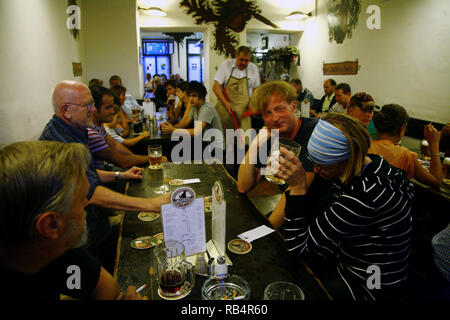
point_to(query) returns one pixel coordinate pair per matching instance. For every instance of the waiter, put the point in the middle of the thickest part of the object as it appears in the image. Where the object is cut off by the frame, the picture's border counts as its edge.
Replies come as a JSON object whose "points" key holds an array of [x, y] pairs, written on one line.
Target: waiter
{"points": [[234, 83]]}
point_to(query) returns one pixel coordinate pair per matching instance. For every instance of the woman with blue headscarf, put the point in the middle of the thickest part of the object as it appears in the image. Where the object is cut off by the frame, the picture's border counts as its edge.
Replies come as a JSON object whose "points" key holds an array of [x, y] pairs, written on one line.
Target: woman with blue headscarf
{"points": [[364, 235]]}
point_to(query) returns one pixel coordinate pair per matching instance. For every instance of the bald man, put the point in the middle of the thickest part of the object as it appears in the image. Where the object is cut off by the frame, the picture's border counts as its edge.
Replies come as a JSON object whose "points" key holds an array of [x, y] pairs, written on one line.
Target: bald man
{"points": [[73, 109]]}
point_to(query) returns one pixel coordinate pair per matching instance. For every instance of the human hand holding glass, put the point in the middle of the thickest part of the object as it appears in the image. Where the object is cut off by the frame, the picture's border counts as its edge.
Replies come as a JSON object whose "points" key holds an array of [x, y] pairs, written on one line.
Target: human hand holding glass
{"points": [[274, 158]]}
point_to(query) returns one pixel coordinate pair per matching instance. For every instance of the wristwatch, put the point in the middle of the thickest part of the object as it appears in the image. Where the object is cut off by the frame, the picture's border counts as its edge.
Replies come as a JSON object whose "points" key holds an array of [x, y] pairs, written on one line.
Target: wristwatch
{"points": [[116, 175]]}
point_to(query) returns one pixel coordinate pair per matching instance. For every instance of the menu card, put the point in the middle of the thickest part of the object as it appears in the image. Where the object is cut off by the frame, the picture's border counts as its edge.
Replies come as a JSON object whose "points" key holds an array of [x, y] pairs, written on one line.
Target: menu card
{"points": [[186, 225]]}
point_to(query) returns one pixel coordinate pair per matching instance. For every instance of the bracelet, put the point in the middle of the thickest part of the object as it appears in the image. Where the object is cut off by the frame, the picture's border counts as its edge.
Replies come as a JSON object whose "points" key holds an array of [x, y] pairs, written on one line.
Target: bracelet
{"points": [[116, 176]]}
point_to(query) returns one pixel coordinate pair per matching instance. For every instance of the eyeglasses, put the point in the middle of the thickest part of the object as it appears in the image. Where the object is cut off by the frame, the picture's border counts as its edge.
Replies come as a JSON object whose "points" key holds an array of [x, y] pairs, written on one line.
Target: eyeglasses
{"points": [[319, 168], [88, 105]]}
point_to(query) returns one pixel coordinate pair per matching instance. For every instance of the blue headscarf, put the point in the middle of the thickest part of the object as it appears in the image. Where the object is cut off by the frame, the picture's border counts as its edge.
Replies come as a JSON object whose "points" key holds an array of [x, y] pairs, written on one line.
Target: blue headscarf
{"points": [[328, 145]]}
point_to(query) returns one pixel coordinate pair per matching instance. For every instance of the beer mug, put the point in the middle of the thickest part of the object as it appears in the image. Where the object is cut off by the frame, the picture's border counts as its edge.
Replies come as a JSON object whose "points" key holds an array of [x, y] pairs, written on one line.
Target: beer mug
{"points": [[425, 150], [175, 276], [273, 163], [446, 179]]}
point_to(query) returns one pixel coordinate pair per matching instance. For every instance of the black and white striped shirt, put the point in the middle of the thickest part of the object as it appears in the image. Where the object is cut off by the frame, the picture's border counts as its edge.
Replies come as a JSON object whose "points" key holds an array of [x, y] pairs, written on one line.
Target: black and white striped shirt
{"points": [[368, 223]]}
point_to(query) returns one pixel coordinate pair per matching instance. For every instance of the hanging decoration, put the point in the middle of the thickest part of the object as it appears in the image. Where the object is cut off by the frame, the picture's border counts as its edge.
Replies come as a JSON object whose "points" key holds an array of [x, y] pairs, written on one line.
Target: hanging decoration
{"points": [[74, 31], [178, 37], [342, 18], [229, 17]]}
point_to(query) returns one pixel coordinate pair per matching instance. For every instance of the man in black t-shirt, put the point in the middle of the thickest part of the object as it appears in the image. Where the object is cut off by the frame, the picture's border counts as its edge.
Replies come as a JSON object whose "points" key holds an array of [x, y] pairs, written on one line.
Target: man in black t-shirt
{"points": [[277, 102], [43, 194]]}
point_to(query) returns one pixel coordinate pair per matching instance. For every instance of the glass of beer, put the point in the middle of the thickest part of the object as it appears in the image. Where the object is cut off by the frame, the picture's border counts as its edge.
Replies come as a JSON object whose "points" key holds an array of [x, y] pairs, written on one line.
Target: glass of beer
{"points": [[274, 163], [446, 179], [424, 150], [155, 155]]}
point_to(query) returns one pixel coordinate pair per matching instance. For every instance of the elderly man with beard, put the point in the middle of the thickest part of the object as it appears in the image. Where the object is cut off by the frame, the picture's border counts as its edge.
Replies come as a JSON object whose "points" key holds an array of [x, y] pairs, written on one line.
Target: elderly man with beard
{"points": [[43, 193]]}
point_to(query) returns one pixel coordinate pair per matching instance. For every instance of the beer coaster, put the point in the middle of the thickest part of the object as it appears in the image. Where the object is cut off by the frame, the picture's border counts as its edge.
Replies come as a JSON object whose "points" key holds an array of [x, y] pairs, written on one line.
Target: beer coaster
{"points": [[157, 239], [176, 182], [239, 246], [142, 242], [208, 204], [148, 216], [181, 296]]}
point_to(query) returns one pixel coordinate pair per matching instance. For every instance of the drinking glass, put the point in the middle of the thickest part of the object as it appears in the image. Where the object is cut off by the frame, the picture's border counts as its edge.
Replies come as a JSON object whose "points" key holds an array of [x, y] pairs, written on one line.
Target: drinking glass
{"points": [[281, 290], [164, 188], [155, 155], [273, 163], [175, 276], [425, 150]]}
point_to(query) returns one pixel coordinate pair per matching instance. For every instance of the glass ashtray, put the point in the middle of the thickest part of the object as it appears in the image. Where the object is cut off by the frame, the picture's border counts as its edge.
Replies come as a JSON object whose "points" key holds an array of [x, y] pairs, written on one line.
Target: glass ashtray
{"points": [[228, 288]]}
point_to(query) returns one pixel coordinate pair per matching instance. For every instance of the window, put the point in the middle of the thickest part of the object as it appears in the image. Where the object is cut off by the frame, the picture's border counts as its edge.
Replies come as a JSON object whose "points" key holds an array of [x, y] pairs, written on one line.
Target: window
{"points": [[156, 55], [194, 60]]}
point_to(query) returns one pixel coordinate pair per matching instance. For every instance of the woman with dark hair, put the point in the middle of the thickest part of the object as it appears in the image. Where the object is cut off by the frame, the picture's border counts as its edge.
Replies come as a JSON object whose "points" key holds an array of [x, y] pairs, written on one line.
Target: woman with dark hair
{"points": [[391, 124], [367, 224], [122, 127]]}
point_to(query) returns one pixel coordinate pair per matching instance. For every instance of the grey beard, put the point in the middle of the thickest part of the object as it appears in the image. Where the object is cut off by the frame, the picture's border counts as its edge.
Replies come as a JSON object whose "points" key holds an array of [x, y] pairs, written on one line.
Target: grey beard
{"points": [[83, 237]]}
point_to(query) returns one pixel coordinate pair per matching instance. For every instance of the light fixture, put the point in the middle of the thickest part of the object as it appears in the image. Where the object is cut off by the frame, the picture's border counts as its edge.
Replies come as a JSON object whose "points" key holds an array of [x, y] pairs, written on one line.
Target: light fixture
{"points": [[298, 15], [154, 11]]}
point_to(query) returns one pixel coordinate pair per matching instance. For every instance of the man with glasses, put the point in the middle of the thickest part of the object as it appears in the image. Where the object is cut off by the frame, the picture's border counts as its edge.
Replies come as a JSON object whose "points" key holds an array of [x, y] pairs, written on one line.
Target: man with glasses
{"points": [[73, 110]]}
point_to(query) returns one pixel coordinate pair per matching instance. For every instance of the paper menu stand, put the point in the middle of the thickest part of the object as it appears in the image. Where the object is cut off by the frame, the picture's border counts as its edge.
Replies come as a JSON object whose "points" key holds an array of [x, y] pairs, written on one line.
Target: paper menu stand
{"points": [[149, 108], [184, 220], [216, 246]]}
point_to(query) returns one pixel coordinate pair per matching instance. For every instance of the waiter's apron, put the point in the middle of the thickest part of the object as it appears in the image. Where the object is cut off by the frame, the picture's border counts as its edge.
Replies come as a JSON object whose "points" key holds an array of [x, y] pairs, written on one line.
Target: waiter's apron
{"points": [[237, 91]]}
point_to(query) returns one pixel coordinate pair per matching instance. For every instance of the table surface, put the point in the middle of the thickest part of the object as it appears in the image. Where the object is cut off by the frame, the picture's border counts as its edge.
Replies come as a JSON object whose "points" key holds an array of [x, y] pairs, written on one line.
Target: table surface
{"points": [[268, 261]]}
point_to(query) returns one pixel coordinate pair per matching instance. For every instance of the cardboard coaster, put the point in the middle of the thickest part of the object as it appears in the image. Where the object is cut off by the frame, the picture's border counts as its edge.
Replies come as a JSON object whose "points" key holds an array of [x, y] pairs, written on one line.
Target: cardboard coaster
{"points": [[157, 239], [148, 216], [181, 296], [239, 246], [142, 242], [208, 204], [176, 182]]}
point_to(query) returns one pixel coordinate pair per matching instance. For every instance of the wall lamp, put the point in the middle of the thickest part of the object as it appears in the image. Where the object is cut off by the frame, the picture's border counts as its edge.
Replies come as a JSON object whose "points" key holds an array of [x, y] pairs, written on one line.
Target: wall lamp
{"points": [[298, 15], [153, 11]]}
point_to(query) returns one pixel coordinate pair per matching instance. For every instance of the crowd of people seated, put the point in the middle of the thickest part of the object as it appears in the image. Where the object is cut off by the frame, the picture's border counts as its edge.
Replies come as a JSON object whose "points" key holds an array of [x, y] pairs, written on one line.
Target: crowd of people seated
{"points": [[346, 203]]}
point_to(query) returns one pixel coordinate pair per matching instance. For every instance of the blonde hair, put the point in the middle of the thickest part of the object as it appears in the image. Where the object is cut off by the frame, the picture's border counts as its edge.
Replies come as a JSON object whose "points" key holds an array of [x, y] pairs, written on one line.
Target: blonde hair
{"points": [[261, 95], [358, 139]]}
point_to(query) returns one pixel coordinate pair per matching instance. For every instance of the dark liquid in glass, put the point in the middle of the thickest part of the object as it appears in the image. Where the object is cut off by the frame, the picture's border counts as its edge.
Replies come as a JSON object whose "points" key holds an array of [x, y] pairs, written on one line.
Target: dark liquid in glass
{"points": [[171, 282]]}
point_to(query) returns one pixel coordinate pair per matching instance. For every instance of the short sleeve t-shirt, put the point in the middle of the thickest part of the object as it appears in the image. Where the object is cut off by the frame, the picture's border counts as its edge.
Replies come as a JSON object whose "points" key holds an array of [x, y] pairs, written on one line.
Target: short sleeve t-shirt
{"points": [[224, 72], [54, 279], [208, 114], [97, 142]]}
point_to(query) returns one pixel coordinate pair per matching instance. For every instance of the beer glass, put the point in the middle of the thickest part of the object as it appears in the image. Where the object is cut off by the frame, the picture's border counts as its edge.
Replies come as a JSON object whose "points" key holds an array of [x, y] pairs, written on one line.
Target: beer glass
{"points": [[424, 150], [164, 188], [283, 291], [175, 276], [273, 163], [446, 179], [155, 155]]}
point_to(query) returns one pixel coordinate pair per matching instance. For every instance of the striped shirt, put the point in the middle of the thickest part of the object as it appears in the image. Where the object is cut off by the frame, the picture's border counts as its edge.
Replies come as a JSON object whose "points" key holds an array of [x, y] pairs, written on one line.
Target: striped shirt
{"points": [[96, 142], [368, 223]]}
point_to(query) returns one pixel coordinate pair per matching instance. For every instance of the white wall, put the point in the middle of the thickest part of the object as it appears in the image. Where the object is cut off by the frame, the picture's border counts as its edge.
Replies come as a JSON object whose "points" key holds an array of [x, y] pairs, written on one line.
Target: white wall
{"points": [[37, 51], [406, 62], [112, 39]]}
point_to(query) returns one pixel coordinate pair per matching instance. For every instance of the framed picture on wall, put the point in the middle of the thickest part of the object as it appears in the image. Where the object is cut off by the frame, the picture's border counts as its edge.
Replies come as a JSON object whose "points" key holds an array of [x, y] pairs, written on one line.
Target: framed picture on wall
{"points": [[264, 43]]}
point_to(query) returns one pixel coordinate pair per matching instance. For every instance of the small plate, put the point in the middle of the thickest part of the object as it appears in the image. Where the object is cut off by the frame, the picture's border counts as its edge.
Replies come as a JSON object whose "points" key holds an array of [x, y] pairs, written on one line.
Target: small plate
{"points": [[239, 246]]}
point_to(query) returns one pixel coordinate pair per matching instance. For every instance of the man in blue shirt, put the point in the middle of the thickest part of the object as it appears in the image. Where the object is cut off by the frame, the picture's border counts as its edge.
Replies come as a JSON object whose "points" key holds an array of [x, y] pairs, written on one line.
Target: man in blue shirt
{"points": [[73, 106]]}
